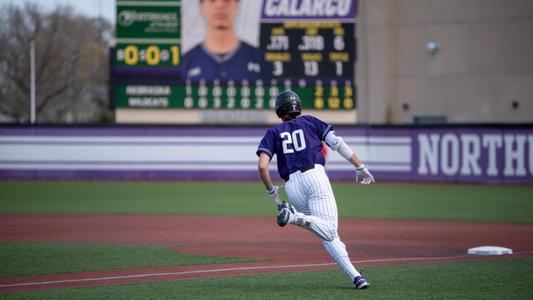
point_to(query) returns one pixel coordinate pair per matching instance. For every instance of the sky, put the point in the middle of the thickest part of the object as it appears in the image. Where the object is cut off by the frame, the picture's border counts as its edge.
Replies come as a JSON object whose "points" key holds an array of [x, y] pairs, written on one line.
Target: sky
{"points": [[104, 8]]}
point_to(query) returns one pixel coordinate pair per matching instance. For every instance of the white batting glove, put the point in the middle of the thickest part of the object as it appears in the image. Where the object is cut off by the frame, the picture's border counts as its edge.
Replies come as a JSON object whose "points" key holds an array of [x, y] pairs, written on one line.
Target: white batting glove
{"points": [[274, 195], [363, 176]]}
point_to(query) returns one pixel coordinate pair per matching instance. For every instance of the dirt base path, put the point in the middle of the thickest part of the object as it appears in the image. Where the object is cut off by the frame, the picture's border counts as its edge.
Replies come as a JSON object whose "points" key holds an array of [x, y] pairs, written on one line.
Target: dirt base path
{"points": [[369, 242]]}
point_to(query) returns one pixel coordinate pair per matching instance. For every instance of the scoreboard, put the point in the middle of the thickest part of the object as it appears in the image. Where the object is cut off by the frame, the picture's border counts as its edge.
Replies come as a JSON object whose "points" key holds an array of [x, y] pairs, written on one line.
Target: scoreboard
{"points": [[310, 46]]}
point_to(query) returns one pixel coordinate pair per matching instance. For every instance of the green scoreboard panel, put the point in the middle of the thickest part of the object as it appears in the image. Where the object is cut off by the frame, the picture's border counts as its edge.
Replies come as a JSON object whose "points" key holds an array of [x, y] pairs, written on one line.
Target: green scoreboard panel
{"points": [[148, 19], [232, 96], [309, 44]]}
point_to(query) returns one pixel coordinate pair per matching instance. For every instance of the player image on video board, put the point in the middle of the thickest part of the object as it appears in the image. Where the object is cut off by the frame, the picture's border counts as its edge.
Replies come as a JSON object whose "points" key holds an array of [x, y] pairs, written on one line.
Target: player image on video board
{"points": [[222, 54]]}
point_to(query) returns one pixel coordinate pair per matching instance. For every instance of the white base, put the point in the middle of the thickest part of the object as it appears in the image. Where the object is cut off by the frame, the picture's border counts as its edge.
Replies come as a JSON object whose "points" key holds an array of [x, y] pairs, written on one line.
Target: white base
{"points": [[489, 250]]}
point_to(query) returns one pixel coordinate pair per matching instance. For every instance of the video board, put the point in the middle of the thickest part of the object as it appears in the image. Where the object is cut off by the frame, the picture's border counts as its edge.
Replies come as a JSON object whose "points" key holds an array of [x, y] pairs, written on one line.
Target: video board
{"points": [[307, 46]]}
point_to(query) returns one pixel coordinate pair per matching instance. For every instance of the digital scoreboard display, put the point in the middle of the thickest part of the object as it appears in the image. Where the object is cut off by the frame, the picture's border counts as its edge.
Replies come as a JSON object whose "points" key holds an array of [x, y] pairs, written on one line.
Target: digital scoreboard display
{"points": [[309, 46]]}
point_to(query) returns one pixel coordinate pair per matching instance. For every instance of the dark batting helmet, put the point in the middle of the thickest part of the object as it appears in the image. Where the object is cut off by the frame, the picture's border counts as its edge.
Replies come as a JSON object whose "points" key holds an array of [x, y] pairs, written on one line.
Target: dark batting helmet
{"points": [[288, 102]]}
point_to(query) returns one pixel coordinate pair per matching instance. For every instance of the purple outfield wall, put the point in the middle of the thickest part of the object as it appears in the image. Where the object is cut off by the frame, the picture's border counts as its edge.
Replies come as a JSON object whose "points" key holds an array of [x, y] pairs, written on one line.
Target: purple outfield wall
{"points": [[495, 154]]}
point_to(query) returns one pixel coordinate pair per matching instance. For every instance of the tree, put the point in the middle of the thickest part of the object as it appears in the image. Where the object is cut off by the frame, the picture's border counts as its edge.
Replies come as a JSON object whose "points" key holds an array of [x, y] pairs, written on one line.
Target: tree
{"points": [[71, 63]]}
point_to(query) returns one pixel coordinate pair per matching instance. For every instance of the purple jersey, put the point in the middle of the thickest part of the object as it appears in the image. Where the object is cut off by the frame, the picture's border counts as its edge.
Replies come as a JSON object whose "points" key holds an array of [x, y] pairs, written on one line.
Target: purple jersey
{"points": [[297, 144], [245, 62]]}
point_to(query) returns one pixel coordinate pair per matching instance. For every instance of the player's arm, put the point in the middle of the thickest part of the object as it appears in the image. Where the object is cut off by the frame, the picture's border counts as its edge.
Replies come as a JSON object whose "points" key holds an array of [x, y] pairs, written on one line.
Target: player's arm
{"points": [[272, 190], [336, 143], [262, 167]]}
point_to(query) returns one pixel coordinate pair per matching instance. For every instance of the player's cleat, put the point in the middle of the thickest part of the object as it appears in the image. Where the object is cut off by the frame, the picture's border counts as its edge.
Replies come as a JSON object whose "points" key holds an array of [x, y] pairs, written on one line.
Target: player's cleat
{"points": [[288, 214], [360, 282], [284, 216]]}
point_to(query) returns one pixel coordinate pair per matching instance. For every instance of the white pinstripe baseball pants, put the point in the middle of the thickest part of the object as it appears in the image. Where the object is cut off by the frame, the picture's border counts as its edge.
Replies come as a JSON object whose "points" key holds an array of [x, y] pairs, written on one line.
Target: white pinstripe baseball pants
{"points": [[312, 196]]}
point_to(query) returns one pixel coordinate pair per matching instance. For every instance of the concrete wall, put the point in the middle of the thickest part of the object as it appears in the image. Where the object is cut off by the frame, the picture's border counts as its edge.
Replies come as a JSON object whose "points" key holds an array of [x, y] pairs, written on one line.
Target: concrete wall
{"points": [[482, 73]]}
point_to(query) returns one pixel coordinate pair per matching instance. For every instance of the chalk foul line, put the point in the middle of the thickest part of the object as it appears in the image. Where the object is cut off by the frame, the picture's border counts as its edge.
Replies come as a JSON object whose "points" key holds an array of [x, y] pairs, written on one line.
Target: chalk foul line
{"points": [[163, 274]]}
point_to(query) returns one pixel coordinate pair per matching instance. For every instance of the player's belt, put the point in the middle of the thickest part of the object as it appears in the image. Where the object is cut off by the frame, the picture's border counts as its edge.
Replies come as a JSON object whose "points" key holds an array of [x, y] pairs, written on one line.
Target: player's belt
{"points": [[304, 169], [307, 168]]}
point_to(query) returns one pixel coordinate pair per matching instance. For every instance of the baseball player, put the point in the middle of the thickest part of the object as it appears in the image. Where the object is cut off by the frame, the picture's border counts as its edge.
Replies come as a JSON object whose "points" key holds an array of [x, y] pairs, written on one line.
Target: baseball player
{"points": [[297, 144], [222, 55]]}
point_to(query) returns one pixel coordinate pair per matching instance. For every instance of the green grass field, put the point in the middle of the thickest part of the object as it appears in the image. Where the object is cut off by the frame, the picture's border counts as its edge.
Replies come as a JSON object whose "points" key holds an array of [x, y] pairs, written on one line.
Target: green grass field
{"points": [[18, 259], [415, 202], [505, 279]]}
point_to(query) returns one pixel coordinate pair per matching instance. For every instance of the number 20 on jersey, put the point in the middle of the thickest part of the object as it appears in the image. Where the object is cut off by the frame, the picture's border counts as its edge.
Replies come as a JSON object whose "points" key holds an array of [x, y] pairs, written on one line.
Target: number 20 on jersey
{"points": [[294, 141]]}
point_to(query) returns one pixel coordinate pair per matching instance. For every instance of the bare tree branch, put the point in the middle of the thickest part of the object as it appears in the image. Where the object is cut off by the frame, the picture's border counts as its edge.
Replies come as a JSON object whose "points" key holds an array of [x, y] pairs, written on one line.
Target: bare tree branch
{"points": [[50, 96], [61, 38]]}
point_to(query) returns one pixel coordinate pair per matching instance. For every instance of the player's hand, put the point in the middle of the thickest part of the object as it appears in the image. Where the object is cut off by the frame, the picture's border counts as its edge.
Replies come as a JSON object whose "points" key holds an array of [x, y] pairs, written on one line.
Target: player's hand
{"points": [[285, 204], [363, 176], [274, 194]]}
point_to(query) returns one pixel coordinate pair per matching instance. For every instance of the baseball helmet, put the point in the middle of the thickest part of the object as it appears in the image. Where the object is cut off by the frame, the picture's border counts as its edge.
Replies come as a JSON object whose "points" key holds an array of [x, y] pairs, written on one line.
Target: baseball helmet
{"points": [[288, 102]]}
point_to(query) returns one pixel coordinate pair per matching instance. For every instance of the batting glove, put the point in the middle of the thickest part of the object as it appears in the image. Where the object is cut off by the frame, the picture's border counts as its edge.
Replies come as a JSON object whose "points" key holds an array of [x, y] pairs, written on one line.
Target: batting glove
{"points": [[363, 176], [274, 194], [285, 204]]}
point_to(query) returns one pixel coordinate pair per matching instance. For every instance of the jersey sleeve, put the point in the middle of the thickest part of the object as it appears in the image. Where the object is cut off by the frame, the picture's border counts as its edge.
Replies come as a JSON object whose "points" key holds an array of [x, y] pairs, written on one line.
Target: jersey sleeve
{"points": [[321, 128], [267, 144]]}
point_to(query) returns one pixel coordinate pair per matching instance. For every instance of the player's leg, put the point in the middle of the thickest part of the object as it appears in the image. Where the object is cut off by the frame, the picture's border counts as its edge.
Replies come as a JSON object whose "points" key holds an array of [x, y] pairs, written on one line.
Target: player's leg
{"points": [[311, 193], [337, 250], [299, 197], [322, 204]]}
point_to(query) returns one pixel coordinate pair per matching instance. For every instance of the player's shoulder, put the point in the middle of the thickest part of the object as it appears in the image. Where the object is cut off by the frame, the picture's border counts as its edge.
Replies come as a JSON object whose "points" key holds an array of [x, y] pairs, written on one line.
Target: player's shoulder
{"points": [[275, 129], [271, 134], [310, 119], [193, 52], [247, 49], [195, 62], [316, 125]]}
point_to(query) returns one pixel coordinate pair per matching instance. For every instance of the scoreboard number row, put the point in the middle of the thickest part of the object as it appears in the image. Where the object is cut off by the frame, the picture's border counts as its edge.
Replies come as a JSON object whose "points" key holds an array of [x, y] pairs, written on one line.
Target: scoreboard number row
{"points": [[151, 55]]}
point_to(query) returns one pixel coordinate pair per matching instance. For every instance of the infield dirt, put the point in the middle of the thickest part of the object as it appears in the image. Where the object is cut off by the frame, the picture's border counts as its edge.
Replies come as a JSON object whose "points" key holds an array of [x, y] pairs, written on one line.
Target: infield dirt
{"points": [[369, 242]]}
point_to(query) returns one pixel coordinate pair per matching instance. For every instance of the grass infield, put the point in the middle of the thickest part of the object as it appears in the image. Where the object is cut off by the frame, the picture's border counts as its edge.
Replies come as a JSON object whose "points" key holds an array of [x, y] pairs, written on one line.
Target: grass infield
{"points": [[510, 204], [18, 259], [492, 279]]}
